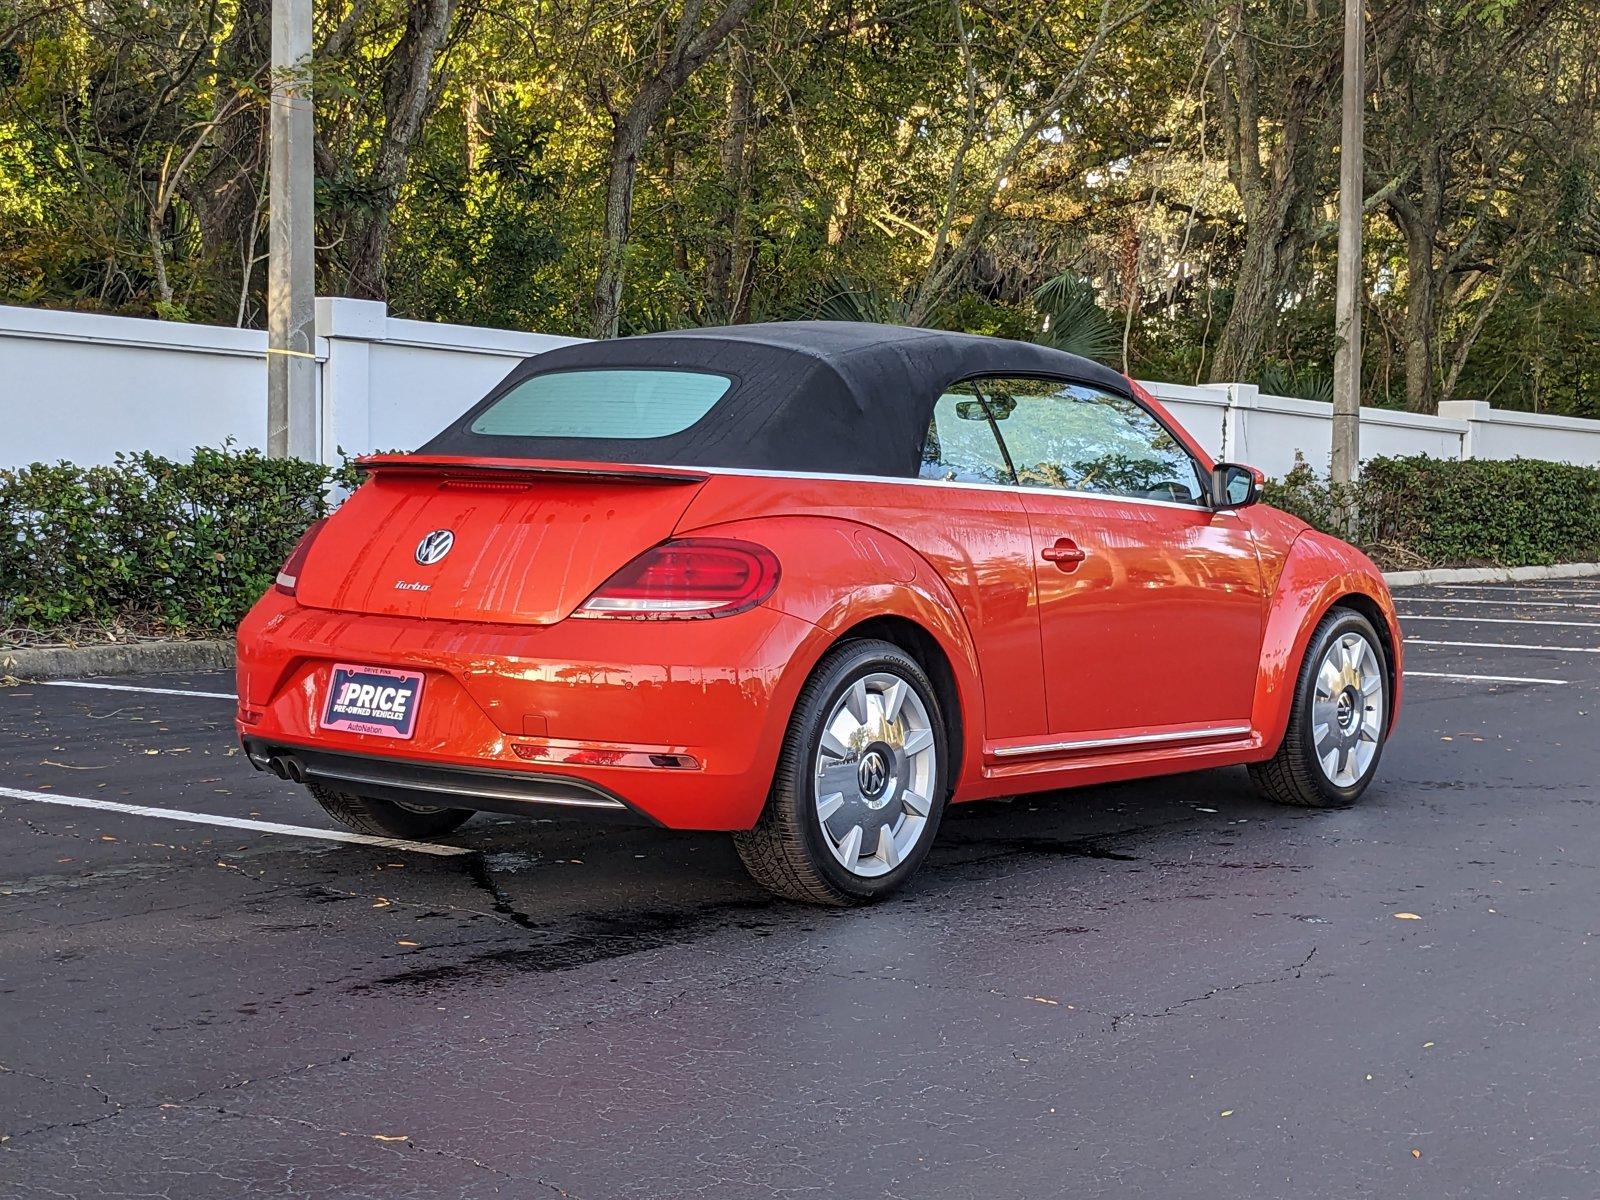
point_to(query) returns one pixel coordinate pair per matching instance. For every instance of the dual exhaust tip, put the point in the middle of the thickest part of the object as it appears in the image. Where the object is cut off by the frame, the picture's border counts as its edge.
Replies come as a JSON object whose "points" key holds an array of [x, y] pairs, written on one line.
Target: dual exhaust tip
{"points": [[287, 766]]}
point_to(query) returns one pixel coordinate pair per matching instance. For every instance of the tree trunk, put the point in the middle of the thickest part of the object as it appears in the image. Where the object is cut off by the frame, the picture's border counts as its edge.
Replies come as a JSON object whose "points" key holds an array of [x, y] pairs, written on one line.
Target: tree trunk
{"points": [[630, 130], [407, 95], [728, 220], [228, 197], [627, 141], [1418, 211], [1255, 288], [1276, 186], [1274, 239], [1419, 323], [1272, 193]]}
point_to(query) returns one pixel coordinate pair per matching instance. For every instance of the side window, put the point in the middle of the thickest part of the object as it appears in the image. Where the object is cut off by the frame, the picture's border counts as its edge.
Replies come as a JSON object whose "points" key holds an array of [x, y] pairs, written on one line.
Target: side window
{"points": [[1080, 439], [962, 445]]}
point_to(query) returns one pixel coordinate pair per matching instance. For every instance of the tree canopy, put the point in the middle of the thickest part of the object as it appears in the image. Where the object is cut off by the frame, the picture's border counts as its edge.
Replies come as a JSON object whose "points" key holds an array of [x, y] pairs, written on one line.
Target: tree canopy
{"points": [[1152, 182]]}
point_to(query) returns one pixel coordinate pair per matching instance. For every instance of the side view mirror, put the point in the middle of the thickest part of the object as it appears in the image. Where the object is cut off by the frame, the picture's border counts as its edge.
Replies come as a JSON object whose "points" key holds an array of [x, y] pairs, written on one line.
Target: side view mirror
{"points": [[1234, 485]]}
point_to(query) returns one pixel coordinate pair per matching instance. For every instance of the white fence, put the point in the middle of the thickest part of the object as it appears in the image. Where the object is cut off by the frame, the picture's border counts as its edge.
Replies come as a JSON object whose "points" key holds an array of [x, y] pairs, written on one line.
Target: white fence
{"points": [[81, 387], [1235, 421]]}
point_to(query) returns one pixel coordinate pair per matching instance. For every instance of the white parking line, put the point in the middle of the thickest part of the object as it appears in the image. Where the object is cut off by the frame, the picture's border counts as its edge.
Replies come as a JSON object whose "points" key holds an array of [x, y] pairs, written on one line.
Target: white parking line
{"points": [[1513, 588], [127, 687], [1408, 616], [1478, 678], [192, 818], [1504, 646], [1497, 603]]}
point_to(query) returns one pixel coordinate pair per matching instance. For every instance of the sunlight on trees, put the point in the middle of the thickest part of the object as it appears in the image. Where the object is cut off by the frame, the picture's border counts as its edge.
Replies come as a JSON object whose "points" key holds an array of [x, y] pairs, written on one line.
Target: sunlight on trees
{"points": [[1146, 181]]}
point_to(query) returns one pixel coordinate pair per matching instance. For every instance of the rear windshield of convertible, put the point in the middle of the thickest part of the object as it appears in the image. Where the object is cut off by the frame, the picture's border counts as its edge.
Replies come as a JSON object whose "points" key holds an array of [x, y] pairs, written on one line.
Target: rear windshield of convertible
{"points": [[603, 403]]}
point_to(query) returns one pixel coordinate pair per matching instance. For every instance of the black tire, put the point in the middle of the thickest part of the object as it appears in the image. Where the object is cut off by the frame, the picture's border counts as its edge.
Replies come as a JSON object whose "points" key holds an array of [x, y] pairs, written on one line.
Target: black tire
{"points": [[1293, 775], [786, 852], [385, 818]]}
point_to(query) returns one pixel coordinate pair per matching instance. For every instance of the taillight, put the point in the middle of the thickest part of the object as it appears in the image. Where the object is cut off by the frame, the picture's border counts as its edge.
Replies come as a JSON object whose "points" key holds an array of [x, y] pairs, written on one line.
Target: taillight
{"points": [[289, 573], [691, 577]]}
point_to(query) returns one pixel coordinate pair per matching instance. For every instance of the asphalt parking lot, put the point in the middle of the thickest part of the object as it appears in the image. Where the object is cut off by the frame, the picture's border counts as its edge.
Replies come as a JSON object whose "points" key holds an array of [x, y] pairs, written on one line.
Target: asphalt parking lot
{"points": [[1159, 989]]}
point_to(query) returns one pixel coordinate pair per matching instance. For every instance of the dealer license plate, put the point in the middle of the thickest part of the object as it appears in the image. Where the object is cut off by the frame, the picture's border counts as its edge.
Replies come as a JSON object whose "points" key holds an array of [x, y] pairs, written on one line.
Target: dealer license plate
{"points": [[376, 700]]}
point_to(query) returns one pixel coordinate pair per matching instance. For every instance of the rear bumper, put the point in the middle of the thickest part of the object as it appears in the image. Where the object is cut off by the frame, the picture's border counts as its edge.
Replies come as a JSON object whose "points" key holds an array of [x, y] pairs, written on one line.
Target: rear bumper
{"points": [[415, 782], [677, 722]]}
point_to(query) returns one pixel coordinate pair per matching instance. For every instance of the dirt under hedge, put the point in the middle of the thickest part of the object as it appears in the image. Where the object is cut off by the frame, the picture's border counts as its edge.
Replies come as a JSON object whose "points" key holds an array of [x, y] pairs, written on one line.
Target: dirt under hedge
{"points": [[150, 547]]}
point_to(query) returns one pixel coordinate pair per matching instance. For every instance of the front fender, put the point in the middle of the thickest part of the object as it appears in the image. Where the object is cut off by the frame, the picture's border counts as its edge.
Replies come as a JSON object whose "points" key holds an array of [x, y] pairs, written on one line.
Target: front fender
{"points": [[1319, 572]]}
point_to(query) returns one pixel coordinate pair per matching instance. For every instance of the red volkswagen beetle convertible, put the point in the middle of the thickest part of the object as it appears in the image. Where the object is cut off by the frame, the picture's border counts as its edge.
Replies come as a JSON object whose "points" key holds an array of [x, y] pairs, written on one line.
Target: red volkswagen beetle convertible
{"points": [[809, 583]]}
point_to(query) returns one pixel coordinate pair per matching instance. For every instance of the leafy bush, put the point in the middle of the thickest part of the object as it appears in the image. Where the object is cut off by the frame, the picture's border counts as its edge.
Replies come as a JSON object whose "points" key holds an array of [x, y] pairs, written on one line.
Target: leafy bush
{"points": [[157, 544], [1517, 512], [186, 547], [1315, 499], [1421, 511]]}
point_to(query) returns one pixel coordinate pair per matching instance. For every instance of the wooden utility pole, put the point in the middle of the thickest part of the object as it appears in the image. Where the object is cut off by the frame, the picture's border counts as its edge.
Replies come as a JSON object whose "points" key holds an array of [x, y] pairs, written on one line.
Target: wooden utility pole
{"points": [[291, 284], [1346, 461]]}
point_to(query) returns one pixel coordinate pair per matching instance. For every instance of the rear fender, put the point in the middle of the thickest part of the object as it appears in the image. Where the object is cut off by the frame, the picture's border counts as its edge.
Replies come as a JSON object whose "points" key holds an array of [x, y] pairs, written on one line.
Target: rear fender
{"points": [[838, 574], [1319, 572]]}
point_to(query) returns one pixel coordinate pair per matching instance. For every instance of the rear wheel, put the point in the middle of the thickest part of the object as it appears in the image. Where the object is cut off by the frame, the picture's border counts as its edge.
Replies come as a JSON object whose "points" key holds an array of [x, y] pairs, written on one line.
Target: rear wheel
{"points": [[388, 818], [1339, 722], [860, 784]]}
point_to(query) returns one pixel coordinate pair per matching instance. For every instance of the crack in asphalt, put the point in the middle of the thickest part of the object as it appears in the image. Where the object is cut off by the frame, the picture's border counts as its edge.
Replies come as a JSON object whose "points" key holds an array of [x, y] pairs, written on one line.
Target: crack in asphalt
{"points": [[277, 1119], [124, 1110], [105, 1096], [1291, 971]]}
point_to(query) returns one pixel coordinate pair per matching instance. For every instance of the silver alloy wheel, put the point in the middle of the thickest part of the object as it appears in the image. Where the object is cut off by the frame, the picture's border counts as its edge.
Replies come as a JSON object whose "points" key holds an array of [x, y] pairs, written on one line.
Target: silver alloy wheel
{"points": [[875, 771], [1347, 710]]}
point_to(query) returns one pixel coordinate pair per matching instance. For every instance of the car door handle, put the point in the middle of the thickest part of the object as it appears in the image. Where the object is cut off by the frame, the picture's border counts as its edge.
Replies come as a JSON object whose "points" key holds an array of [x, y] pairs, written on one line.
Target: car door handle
{"points": [[1066, 554]]}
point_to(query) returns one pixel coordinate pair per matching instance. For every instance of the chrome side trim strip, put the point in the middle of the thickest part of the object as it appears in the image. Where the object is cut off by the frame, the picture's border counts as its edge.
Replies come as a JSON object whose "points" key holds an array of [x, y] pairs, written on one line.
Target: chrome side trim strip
{"points": [[1145, 739]]}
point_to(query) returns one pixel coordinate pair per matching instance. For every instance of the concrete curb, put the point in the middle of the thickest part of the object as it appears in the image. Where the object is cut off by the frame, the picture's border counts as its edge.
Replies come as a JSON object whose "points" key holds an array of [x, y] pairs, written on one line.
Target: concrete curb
{"points": [[1491, 574], [132, 658]]}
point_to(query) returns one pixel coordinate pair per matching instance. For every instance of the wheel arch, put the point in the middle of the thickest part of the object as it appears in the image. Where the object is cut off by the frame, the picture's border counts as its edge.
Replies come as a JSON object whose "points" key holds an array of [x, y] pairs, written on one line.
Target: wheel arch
{"points": [[1321, 573], [1369, 608]]}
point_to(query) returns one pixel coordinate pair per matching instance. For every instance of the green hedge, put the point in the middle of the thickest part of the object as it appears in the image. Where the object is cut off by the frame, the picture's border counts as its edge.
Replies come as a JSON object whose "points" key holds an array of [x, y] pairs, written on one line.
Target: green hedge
{"points": [[154, 545], [149, 543], [1430, 512]]}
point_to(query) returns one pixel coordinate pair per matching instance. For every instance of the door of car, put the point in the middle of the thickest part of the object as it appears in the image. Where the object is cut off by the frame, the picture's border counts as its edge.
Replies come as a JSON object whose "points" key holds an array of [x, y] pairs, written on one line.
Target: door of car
{"points": [[972, 529], [1150, 603]]}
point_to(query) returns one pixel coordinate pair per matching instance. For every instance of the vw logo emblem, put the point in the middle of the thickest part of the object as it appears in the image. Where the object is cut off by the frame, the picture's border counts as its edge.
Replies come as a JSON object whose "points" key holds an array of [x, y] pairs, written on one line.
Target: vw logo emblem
{"points": [[435, 546], [873, 773]]}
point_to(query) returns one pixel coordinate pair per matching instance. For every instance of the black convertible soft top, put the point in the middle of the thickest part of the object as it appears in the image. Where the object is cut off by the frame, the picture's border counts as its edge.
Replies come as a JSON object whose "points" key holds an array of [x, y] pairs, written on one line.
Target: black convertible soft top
{"points": [[835, 397]]}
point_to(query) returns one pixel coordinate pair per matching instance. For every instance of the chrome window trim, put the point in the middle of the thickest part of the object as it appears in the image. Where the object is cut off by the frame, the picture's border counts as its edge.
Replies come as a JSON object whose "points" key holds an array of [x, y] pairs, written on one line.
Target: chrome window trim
{"points": [[1014, 488], [1143, 739]]}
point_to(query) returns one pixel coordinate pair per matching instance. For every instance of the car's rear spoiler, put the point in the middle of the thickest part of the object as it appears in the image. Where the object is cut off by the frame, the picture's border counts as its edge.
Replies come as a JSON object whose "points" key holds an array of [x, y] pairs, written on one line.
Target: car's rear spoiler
{"points": [[578, 472]]}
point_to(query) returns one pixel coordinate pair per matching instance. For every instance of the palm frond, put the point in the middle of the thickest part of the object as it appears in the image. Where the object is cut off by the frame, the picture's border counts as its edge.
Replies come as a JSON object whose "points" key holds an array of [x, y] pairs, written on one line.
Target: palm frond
{"points": [[1071, 319], [1307, 383], [845, 300]]}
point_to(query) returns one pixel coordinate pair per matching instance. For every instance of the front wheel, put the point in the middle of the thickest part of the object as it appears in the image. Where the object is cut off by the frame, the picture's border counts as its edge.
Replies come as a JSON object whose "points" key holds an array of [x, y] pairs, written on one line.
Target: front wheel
{"points": [[860, 784], [1339, 722]]}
